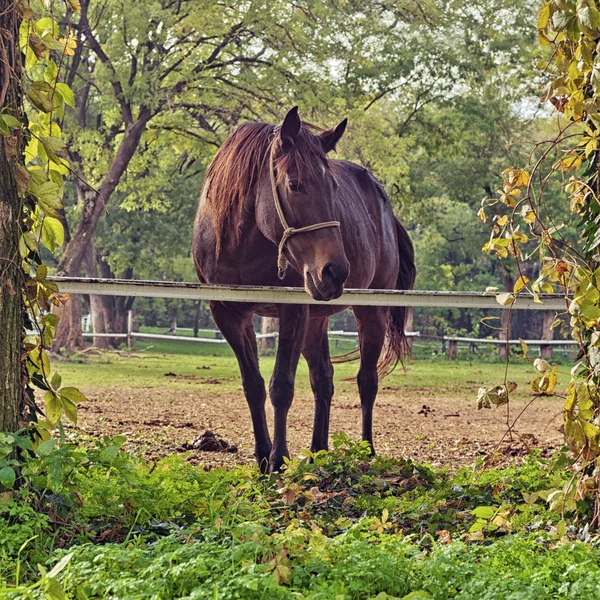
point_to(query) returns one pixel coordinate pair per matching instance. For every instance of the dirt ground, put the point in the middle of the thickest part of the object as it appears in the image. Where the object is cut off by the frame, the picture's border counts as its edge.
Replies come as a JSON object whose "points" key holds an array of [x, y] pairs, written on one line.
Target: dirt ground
{"points": [[428, 425]]}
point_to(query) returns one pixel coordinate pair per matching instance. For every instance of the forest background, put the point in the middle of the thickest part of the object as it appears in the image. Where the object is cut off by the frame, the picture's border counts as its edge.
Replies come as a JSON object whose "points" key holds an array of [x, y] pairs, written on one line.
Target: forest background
{"points": [[441, 97]]}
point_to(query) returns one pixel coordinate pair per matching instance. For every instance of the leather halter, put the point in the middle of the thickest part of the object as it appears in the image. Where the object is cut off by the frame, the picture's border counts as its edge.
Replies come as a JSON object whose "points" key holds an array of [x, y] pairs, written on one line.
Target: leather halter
{"points": [[288, 232]]}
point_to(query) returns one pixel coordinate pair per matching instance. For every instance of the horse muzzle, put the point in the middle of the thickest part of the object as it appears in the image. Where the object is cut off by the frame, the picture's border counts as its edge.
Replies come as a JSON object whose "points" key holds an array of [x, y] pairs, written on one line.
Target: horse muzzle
{"points": [[328, 283]]}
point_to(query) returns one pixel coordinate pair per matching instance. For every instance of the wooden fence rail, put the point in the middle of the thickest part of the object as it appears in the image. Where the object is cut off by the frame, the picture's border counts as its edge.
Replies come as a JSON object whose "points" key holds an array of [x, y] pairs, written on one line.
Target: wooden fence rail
{"points": [[287, 295]]}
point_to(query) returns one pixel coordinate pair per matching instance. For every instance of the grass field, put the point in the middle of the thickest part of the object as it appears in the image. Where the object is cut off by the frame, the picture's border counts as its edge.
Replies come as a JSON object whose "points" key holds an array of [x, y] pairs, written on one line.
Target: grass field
{"points": [[473, 524], [426, 412]]}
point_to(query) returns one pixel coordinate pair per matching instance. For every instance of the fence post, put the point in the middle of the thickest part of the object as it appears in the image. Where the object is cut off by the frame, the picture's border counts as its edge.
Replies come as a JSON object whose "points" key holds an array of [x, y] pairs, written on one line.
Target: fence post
{"points": [[129, 328], [452, 350]]}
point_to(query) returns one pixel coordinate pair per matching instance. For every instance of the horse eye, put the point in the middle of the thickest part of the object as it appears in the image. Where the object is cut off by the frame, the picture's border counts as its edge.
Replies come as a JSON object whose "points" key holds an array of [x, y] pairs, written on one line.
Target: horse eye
{"points": [[295, 186]]}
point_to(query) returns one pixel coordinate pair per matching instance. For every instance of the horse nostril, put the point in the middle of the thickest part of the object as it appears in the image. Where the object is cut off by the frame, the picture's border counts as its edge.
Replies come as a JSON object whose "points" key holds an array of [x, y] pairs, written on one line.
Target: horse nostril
{"points": [[335, 272]]}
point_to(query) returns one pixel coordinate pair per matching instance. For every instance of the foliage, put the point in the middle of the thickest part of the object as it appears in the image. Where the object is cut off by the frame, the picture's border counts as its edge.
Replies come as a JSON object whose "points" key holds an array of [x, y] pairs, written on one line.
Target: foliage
{"points": [[33, 139], [342, 524], [570, 31]]}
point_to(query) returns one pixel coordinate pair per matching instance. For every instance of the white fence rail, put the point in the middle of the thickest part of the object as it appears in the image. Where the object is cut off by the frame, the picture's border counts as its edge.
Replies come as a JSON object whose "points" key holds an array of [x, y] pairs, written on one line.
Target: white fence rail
{"points": [[287, 295]]}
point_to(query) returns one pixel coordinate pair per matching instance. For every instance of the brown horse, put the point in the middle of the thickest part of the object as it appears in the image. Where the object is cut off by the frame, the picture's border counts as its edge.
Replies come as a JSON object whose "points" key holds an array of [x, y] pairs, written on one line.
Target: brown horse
{"points": [[272, 199]]}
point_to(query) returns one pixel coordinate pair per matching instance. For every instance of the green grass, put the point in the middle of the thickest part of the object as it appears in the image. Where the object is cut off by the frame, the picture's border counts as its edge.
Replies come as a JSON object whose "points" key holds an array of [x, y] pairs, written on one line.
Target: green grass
{"points": [[346, 526], [147, 368]]}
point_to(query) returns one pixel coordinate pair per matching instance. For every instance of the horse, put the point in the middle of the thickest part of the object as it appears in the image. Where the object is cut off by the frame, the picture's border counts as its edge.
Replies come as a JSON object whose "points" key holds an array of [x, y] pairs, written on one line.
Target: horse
{"points": [[274, 210]]}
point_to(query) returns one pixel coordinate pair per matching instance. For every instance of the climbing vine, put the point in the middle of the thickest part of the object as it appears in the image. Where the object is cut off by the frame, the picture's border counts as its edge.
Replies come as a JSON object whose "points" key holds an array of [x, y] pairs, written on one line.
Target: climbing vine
{"points": [[524, 227], [35, 147]]}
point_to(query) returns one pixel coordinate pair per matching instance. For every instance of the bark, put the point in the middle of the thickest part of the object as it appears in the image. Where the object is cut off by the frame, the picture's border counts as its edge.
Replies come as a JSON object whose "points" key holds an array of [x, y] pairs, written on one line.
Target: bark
{"points": [[268, 325], [115, 308], [173, 328], [94, 201], [505, 317], [11, 274], [96, 306], [196, 318], [409, 328], [547, 334]]}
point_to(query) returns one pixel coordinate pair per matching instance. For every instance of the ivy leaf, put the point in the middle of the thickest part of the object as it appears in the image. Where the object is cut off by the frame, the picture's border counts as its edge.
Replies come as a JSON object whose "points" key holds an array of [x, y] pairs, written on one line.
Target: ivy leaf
{"points": [[484, 512], [520, 284], [69, 408], [53, 233], [53, 406], [67, 94], [11, 121], [524, 347], [561, 19], [544, 16], [497, 396], [73, 394], [41, 272], [40, 100], [7, 477], [505, 299], [56, 379]]}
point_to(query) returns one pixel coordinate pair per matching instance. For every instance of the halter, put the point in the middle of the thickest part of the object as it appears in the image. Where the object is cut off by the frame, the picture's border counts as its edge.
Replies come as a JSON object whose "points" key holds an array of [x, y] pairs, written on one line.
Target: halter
{"points": [[288, 231]]}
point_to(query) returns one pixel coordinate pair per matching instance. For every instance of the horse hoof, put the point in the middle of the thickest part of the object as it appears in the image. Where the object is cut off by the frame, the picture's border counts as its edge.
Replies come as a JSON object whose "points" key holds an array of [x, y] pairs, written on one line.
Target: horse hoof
{"points": [[276, 462]]}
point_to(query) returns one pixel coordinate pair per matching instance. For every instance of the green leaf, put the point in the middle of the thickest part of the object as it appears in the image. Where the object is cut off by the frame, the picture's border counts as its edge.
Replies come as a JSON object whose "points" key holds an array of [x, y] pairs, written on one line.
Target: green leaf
{"points": [[46, 448], [41, 272], [73, 394], [11, 121], [60, 565], [51, 72], [40, 100], [561, 19], [53, 406], [53, 233], [484, 512], [7, 477], [67, 93], [56, 381], [69, 408]]}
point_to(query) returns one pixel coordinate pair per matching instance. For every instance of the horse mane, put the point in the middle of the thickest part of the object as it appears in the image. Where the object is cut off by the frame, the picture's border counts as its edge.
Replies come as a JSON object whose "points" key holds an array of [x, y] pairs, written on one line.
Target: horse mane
{"points": [[238, 164]]}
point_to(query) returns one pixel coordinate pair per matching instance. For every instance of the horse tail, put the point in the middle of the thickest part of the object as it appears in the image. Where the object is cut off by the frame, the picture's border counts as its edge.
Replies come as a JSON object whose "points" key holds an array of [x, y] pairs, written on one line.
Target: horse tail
{"points": [[397, 347]]}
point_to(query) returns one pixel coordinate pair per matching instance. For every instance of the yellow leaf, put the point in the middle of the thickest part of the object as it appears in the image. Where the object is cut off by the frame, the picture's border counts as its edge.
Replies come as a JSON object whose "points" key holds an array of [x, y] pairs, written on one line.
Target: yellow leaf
{"points": [[520, 283], [544, 16], [505, 299], [524, 347], [502, 221]]}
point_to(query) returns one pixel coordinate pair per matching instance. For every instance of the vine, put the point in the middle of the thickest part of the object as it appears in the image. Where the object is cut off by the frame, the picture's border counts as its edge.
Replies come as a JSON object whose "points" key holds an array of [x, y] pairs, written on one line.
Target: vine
{"points": [[569, 33], [35, 147]]}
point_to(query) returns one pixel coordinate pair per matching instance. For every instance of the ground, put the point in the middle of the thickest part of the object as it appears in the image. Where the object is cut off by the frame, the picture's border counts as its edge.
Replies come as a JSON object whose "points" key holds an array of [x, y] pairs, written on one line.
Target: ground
{"points": [[428, 412]]}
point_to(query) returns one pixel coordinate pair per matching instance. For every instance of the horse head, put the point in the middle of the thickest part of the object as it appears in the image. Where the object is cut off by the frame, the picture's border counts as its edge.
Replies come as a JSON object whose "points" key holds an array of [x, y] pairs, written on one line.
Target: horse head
{"points": [[297, 208]]}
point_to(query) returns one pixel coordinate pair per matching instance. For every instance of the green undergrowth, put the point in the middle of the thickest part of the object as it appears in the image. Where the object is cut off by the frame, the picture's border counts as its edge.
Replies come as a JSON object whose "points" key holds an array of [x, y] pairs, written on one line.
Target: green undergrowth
{"points": [[96, 522]]}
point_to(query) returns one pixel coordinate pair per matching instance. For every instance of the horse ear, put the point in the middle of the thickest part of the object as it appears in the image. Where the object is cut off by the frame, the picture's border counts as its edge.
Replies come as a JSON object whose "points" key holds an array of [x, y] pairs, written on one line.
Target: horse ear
{"points": [[290, 128], [331, 137]]}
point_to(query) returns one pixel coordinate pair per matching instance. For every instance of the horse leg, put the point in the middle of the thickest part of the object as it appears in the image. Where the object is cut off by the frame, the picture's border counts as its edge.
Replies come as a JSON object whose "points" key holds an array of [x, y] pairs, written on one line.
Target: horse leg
{"points": [[293, 320], [372, 327], [237, 329], [316, 353]]}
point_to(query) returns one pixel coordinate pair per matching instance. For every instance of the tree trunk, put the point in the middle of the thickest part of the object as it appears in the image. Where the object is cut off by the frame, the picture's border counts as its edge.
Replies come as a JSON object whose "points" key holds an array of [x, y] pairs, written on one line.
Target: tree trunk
{"points": [[505, 317], [11, 274], [94, 201], [96, 306], [196, 318], [409, 328], [173, 329], [268, 325], [547, 334]]}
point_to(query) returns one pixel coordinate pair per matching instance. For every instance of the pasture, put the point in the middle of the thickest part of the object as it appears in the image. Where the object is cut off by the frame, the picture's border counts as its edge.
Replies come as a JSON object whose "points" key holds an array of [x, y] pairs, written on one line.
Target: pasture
{"points": [[375, 169], [161, 400]]}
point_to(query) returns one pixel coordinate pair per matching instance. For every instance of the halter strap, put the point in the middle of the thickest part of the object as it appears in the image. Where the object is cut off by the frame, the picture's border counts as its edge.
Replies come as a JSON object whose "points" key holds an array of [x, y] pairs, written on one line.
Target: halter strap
{"points": [[288, 231]]}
